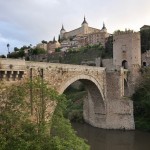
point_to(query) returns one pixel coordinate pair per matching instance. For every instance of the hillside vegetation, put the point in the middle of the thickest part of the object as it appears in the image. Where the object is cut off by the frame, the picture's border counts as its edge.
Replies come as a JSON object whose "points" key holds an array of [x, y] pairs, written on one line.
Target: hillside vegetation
{"points": [[145, 40], [75, 97], [87, 53], [141, 100]]}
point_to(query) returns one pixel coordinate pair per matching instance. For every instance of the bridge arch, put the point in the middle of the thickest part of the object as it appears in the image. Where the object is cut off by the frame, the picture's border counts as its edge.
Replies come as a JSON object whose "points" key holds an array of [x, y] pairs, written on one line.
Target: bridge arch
{"points": [[94, 107], [81, 77]]}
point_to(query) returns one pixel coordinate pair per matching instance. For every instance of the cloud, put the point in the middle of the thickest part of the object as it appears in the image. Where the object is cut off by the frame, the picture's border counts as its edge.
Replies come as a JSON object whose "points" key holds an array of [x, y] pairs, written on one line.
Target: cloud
{"points": [[30, 21]]}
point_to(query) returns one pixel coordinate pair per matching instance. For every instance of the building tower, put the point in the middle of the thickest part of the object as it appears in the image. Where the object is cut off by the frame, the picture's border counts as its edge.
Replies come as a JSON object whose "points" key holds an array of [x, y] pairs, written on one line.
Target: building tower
{"points": [[84, 26], [127, 54], [127, 50], [104, 28], [62, 31]]}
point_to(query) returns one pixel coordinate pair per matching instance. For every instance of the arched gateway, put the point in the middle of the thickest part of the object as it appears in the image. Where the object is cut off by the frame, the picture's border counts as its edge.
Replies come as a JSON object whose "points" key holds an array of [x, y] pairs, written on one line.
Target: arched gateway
{"points": [[94, 106], [104, 106]]}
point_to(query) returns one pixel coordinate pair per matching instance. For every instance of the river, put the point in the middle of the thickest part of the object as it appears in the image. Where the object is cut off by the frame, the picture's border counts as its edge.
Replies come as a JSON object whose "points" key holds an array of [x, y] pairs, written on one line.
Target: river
{"points": [[100, 139]]}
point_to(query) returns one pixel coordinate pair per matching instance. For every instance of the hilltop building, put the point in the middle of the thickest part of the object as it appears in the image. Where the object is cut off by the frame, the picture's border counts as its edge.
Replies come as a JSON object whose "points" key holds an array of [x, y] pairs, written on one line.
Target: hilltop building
{"points": [[145, 27], [52, 45], [42, 46], [83, 36]]}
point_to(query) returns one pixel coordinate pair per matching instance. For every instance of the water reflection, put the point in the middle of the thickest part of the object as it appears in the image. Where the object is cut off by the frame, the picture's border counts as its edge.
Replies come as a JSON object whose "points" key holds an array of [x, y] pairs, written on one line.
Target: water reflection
{"points": [[100, 139]]}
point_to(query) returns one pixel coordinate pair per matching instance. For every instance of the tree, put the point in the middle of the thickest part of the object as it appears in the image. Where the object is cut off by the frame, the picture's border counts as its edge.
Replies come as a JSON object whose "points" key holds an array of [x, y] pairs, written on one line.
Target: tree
{"points": [[8, 45], [16, 49], [38, 51], [145, 40], [2, 56], [141, 100], [58, 49], [44, 42], [20, 130], [19, 54], [108, 52], [59, 40]]}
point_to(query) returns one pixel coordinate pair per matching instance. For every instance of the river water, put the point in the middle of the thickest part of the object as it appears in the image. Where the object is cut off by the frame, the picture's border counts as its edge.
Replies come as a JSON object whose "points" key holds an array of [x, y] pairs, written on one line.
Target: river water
{"points": [[100, 139]]}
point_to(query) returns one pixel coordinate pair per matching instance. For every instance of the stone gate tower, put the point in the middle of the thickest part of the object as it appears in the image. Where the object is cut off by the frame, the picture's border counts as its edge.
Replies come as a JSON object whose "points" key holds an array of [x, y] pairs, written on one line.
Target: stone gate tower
{"points": [[127, 50], [127, 54]]}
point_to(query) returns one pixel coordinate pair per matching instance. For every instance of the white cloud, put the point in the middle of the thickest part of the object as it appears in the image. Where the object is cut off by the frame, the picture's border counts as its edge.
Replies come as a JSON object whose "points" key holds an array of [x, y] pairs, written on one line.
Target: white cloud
{"points": [[30, 21], [2, 39]]}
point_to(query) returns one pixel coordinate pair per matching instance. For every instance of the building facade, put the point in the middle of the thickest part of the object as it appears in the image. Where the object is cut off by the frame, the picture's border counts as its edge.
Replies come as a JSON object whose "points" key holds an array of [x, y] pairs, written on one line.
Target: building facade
{"points": [[145, 27], [52, 45], [84, 35], [126, 50], [42, 46]]}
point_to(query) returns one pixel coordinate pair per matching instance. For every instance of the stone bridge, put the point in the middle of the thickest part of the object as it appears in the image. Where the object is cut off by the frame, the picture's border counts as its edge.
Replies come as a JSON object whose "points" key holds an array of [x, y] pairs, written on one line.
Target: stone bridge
{"points": [[104, 106]]}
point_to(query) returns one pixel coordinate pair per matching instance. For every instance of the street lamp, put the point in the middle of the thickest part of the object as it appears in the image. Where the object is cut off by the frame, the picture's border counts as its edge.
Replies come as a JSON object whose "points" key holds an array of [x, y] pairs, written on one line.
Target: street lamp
{"points": [[8, 45]]}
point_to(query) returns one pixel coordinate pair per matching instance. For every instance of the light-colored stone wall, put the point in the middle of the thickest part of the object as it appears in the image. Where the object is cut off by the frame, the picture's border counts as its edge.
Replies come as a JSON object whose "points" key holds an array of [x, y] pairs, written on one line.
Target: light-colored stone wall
{"points": [[51, 46], [126, 46], [91, 35], [64, 74], [81, 30], [120, 108], [104, 106], [108, 63], [127, 54], [12, 69], [8, 64], [73, 32], [42, 45], [97, 38], [93, 30]]}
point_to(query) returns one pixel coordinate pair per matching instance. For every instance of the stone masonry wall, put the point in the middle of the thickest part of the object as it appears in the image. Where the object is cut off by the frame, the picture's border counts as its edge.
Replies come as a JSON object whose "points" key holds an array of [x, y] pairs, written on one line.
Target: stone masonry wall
{"points": [[105, 102], [119, 108]]}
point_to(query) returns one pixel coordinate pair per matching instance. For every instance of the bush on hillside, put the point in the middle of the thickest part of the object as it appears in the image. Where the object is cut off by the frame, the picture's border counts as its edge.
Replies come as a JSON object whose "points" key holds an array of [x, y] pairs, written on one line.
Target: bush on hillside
{"points": [[141, 100]]}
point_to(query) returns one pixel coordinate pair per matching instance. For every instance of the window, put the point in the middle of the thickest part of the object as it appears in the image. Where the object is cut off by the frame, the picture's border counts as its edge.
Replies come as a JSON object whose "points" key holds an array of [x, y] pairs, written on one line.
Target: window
{"points": [[144, 63], [125, 64]]}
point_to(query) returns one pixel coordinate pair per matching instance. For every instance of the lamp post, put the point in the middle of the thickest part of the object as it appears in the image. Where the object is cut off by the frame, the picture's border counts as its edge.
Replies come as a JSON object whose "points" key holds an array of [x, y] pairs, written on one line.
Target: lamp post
{"points": [[8, 45]]}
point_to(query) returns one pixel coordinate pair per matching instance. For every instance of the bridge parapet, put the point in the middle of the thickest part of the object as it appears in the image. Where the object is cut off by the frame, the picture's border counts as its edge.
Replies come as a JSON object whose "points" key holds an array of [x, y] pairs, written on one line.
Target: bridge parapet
{"points": [[12, 64], [58, 75], [12, 69]]}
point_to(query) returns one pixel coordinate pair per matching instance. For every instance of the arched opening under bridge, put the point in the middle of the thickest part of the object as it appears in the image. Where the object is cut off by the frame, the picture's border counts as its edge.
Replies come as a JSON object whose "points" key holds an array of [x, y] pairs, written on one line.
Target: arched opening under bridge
{"points": [[94, 105]]}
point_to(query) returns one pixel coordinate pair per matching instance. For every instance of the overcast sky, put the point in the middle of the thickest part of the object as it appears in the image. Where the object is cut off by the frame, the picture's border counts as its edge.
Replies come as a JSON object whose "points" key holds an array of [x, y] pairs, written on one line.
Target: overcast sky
{"points": [[25, 22]]}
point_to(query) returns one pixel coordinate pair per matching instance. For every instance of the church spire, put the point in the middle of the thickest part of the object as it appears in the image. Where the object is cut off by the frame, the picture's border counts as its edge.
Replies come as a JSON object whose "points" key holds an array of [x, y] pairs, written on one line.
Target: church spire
{"points": [[104, 27], [54, 40], [62, 29], [84, 21]]}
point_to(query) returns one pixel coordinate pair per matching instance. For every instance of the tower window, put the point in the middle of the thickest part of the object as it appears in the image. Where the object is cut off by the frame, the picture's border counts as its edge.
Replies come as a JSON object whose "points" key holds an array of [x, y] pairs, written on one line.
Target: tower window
{"points": [[125, 64], [144, 63]]}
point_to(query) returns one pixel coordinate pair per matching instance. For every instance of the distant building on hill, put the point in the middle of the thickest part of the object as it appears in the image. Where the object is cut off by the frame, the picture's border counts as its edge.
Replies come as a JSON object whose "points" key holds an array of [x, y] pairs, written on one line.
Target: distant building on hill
{"points": [[52, 45], [83, 36], [42, 46], [145, 27]]}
